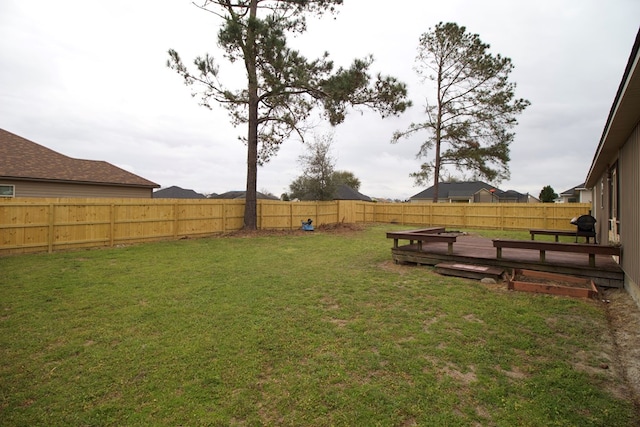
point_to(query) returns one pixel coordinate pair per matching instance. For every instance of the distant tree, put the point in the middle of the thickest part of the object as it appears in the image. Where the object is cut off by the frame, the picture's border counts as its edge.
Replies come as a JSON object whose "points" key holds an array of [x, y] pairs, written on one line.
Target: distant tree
{"points": [[319, 179], [347, 178], [547, 195], [316, 181], [469, 120], [282, 86], [298, 189]]}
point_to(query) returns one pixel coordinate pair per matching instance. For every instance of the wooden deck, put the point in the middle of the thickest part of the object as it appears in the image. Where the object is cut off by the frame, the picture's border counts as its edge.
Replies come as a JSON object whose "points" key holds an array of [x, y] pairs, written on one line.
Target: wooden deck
{"points": [[480, 251]]}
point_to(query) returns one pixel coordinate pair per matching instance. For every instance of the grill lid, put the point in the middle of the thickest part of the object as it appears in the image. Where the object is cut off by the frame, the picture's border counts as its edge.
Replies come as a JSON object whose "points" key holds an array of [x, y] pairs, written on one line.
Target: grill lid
{"points": [[584, 223]]}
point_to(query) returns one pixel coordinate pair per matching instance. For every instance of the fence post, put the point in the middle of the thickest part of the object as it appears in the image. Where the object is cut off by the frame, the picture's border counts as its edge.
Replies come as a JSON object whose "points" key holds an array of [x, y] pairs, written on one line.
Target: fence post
{"points": [[545, 216], [50, 236], [112, 224], [290, 215], [175, 220], [224, 216], [465, 214]]}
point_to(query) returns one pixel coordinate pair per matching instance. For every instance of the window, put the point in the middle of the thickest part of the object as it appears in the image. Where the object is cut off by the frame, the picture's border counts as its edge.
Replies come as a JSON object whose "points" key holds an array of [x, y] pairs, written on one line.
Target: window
{"points": [[7, 190]]}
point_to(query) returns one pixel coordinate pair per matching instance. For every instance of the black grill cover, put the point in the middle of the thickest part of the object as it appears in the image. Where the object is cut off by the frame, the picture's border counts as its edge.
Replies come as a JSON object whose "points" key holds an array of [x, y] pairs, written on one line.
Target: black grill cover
{"points": [[585, 223]]}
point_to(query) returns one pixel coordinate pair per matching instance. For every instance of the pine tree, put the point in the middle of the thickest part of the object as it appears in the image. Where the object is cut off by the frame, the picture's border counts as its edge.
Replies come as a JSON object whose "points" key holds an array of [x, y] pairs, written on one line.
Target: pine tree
{"points": [[474, 109], [283, 87]]}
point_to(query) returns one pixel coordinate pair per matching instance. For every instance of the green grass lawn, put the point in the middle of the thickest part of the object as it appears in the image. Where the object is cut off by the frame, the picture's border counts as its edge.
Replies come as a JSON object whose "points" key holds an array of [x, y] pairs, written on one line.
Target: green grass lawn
{"points": [[291, 330]]}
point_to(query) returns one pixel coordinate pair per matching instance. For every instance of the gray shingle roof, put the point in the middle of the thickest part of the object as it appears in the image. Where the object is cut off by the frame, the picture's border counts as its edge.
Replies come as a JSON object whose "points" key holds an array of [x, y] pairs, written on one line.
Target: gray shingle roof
{"points": [[241, 195], [344, 192], [454, 190], [175, 192], [571, 191]]}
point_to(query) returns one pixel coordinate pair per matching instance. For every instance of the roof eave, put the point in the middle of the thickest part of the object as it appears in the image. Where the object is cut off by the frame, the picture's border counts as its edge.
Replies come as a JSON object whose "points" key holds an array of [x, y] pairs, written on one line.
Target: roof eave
{"points": [[623, 118], [66, 181]]}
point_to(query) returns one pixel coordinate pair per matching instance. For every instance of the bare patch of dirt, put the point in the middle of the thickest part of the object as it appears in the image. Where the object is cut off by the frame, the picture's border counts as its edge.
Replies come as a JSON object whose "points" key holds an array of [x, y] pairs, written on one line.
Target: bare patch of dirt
{"points": [[514, 374], [340, 228], [393, 267], [623, 316], [262, 233], [452, 371], [337, 228]]}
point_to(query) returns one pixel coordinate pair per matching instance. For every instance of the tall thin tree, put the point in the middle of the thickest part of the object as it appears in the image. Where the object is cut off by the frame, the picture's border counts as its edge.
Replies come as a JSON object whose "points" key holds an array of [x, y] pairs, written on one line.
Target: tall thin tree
{"points": [[283, 87], [470, 120]]}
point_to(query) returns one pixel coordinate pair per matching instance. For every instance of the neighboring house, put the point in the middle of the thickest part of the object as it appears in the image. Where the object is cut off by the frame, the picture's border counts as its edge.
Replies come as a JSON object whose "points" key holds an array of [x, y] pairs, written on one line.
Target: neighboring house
{"points": [[614, 175], [241, 195], [470, 192], [511, 196], [344, 192], [577, 194], [175, 192], [28, 169]]}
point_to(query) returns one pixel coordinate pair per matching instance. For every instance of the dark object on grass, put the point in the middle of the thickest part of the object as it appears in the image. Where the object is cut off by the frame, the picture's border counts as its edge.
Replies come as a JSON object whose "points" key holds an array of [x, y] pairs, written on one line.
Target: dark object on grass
{"points": [[306, 225]]}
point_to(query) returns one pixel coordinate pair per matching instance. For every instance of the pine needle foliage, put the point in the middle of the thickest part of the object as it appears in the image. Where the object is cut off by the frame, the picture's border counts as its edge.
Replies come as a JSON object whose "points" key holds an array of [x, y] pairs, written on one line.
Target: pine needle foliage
{"points": [[470, 119]]}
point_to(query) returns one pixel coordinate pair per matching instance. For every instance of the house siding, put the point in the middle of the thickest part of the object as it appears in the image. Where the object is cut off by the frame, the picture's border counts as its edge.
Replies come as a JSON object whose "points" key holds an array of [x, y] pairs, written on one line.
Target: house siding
{"points": [[601, 208], [629, 172], [73, 190]]}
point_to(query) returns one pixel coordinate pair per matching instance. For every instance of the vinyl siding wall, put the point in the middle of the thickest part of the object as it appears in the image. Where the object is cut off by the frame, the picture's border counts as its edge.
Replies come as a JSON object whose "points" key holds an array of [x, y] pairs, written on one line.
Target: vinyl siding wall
{"points": [[629, 170], [60, 189]]}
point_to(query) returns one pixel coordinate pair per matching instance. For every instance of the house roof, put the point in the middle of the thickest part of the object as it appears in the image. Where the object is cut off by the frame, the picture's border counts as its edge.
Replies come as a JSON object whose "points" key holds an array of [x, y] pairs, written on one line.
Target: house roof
{"points": [[175, 192], [456, 190], [241, 195], [511, 194], [571, 191], [22, 159], [623, 117], [344, 192]]}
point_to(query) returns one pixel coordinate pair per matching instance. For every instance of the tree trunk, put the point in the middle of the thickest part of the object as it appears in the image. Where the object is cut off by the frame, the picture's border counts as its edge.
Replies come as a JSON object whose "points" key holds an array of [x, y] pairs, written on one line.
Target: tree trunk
{"points": [[436, 166], [436, 169], [250, 207]]}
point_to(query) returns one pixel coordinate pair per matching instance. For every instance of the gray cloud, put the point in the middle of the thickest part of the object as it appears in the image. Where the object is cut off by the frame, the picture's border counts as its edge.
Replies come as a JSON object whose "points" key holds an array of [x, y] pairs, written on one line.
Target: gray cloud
{"points": [[89, 80]]}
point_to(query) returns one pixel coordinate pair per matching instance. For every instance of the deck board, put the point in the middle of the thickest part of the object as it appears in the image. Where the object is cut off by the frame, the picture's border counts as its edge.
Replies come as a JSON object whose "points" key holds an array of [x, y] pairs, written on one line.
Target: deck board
{"points": [[479, 250]]}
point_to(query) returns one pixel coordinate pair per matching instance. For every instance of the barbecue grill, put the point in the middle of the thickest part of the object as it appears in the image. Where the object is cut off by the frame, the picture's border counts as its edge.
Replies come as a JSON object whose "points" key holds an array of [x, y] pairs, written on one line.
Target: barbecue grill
{"points": [[586, 227]]}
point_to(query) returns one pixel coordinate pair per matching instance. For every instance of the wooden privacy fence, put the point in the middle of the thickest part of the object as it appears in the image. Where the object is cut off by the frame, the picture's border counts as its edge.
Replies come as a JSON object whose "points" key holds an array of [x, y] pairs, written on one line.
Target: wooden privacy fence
{"points": [[47, 225], [500, 216]]}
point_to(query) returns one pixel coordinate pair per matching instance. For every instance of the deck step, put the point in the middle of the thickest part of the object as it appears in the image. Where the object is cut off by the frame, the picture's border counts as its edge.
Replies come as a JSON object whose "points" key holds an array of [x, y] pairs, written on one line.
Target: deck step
{"points": [[469, 271]]}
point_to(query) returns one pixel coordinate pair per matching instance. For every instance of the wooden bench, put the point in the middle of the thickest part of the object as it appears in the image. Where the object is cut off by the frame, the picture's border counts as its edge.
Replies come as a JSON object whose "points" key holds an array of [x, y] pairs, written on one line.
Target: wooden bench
{"points": [[590, 249], [410, 233], [425, 235], [558, 233], [429, 230]]}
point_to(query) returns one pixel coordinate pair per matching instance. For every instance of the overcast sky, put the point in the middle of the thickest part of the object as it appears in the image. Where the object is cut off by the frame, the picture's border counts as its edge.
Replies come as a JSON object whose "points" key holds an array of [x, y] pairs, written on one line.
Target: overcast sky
{"points": [[89, 79]]}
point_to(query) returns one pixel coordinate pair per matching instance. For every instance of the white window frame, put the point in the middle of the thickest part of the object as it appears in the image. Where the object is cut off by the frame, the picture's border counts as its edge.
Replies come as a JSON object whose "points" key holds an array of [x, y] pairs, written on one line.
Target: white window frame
{"points": [[4, 186]]}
